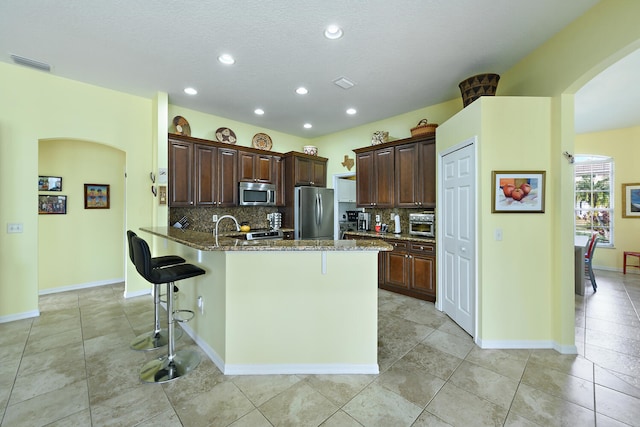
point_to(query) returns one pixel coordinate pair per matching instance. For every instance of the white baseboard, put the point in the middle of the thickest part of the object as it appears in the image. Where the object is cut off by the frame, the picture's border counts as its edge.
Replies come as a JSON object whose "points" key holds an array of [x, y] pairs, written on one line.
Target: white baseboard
{"points": [[80, 286], [503, 345], [137, 293], [290, 369], [20, 316]]}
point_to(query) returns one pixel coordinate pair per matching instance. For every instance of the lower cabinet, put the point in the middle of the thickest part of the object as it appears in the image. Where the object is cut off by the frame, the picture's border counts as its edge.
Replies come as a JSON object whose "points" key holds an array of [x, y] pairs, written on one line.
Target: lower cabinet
{"points": [[409, 269]]}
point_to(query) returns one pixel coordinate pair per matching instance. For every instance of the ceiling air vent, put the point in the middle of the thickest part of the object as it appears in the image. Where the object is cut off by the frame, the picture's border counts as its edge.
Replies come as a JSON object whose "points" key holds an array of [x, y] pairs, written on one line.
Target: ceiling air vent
{"points": [[344, 83], [20, 60]]}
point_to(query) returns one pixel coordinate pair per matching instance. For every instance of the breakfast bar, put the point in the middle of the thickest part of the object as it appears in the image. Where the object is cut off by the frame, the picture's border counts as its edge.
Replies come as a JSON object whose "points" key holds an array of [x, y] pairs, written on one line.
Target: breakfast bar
{"points": [[280, 306]]}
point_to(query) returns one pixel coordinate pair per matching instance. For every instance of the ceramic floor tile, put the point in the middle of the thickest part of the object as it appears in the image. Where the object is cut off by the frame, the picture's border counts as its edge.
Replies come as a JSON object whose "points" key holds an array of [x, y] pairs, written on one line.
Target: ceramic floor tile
{"points": [[260, 388], [567, 387], [427, 419], [378, 406], [48, 407], [451, 344], [297, 406], [568, 363], [616, 405], [223, 404], [339, 389], [504, 362], [547, 410], [485, 383], [555, 388], [617, 381], [411, 381], [252, 419], [433, 361], [341, 419], [461, 408], [131, 407]]}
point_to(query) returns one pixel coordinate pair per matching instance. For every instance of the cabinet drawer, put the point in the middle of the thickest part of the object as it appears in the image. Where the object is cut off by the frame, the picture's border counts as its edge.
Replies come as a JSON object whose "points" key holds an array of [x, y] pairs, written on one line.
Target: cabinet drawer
{"points": [[423, 247], [398, 245]]}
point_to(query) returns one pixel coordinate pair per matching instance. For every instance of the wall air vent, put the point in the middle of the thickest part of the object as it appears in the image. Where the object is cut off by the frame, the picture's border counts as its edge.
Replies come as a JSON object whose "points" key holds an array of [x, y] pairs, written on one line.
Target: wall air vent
{"points": [[21, 60], [344, 83]]}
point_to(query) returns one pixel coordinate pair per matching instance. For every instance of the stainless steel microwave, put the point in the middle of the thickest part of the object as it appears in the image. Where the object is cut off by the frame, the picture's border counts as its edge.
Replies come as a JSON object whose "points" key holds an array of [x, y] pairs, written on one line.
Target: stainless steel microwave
{"points": [[257, 194]]}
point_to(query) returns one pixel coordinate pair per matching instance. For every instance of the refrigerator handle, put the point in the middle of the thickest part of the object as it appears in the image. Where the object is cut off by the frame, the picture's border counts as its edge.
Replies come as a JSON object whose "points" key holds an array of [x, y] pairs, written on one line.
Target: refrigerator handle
{"points": [[321, 209]]}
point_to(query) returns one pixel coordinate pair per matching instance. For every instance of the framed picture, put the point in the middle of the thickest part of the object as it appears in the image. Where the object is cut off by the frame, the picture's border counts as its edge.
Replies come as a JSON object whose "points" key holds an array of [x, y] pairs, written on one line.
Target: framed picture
{"points": [[631, 200], [49, 183], [48, 204], [518, 191], [96, 196]]}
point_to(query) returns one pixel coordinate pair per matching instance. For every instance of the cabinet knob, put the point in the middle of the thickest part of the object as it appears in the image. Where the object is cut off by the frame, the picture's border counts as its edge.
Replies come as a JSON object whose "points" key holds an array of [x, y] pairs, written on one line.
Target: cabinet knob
{"points": [[421, 248]]}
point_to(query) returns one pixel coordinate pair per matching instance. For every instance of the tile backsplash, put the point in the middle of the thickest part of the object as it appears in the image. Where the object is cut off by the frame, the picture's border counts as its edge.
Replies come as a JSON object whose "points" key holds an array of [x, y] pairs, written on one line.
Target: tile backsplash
{"points": [[200, 218]]}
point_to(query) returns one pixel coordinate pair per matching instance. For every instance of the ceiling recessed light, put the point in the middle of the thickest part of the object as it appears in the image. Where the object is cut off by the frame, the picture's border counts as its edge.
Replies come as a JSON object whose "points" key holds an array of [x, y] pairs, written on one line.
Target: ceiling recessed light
{"points": [[190, 91], [333, 32], [351, 111], [307, 126], [302, 91], [259, 111], [226, 59]]}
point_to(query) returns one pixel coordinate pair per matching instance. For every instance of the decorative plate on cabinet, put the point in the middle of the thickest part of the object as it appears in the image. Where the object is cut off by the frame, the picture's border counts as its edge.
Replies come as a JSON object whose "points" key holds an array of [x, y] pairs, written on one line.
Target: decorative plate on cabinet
{"points": [[262, 141], [180, 126], [226, 135]]}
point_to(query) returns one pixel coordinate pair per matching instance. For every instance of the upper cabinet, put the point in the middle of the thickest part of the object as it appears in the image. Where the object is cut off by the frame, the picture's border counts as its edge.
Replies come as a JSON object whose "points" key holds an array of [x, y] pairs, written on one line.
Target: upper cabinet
{"points": [[254, 167], [309, 170], [397, 174], [202, 175], [415, 166], [375, 178]]}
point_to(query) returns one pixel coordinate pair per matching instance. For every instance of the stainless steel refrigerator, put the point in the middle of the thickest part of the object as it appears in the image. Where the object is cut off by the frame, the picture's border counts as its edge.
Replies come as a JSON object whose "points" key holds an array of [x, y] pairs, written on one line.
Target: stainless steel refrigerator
{"points": [[313, 213]]}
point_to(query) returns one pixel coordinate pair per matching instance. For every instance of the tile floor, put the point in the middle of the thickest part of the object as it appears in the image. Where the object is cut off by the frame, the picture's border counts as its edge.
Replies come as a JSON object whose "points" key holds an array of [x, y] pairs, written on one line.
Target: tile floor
{"points": [[72, 367]]}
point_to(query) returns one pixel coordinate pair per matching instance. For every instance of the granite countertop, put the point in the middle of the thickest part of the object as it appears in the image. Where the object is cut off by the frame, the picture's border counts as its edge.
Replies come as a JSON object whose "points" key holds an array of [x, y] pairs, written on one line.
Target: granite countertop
{"points": [[228, 242], [401, 236]]}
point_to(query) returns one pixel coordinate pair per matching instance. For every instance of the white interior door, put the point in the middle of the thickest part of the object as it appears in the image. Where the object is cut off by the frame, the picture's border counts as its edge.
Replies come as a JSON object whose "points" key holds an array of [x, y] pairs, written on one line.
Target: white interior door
{"points": [[458, 214]]}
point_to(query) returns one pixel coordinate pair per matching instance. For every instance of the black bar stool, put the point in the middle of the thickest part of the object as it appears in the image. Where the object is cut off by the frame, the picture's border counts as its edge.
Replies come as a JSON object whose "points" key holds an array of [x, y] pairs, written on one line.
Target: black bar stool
{"points": [[174, 364], [158, 337]]}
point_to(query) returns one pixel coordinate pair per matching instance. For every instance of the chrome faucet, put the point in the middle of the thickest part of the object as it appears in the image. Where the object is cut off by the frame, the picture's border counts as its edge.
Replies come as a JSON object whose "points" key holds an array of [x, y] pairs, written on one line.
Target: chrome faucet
{"points": [[227, 216]]}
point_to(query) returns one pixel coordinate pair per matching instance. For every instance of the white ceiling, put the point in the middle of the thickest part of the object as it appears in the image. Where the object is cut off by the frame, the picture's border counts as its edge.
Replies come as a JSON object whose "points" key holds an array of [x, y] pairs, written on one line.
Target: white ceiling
{"points": [[403, 55]]}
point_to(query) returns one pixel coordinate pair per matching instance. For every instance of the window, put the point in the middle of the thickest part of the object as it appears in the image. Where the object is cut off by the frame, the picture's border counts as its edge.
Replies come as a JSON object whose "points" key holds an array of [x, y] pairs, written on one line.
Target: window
{"points": [[594, 197]]}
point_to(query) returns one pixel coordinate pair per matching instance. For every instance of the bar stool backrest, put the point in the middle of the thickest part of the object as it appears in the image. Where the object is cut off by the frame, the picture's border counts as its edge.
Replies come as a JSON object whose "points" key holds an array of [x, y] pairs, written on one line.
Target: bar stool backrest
{"points": [[131, 234], [142, 258]]}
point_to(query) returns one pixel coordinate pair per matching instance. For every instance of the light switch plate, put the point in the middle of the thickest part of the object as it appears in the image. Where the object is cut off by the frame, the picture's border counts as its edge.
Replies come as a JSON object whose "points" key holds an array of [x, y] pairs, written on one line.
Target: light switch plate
{"points": [[498, 234]]}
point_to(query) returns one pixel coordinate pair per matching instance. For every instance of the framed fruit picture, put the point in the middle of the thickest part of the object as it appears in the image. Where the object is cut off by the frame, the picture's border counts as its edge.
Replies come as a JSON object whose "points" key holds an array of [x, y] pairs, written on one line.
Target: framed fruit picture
{"points": [[518, 191]]}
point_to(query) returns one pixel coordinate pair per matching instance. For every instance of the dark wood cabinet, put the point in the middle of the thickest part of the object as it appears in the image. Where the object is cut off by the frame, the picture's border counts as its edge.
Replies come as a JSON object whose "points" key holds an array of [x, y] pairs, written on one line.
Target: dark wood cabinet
{"points": [[399, 174], [279, 178], [180, 174], [409, 269], [255, 167], [300, 170], [310, 171], [202, 175], [415, 176], [375, 178]]}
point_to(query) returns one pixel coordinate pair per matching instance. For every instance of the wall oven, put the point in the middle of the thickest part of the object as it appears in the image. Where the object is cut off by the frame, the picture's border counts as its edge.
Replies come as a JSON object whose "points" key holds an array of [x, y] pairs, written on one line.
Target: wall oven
{"points": [[256, 194], [422, 224]]}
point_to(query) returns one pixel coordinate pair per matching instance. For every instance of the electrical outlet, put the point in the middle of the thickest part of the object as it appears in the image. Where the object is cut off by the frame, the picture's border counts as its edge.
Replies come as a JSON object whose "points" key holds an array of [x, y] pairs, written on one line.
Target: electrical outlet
{"points": [[498, 234], [14, 227], [377, 218], [201, 304], [392, 216], [214, 218]]}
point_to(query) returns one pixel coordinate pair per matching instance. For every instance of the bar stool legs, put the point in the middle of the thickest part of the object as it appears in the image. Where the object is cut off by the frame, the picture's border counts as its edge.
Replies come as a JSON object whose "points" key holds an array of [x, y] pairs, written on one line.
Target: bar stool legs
{"points": [[158, 337], [174, 364]]}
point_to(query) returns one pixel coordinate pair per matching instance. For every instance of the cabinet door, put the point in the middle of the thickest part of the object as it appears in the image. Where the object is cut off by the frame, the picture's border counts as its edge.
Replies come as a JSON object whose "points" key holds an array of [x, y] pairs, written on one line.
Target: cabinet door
{"points": [[279, 179], [384, 178], [397, 265], [263, 168], [428, 173], [180, 173], [205, 168], [364, 179], [302, 171], [318, 173], [245, 166], [227, 177], [407, 189]]}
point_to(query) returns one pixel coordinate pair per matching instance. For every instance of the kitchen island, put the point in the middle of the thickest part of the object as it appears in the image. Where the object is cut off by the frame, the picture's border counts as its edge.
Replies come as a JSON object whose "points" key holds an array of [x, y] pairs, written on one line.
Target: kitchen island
{"points": [[280, 306]]}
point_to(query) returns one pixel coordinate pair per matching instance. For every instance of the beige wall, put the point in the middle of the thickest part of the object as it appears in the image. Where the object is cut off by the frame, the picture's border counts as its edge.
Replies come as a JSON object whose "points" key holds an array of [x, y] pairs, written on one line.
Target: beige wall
{"points": [[91, 239], [623, 145]]}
